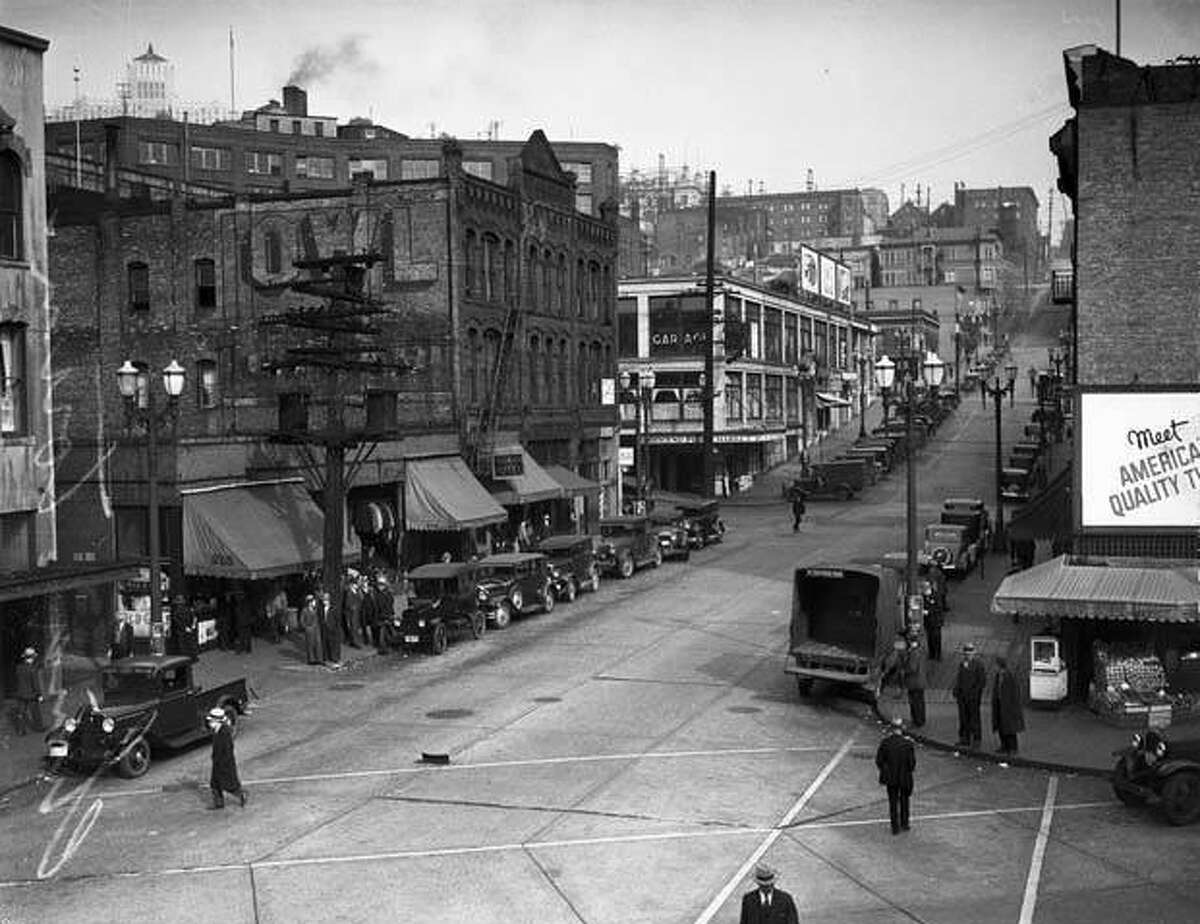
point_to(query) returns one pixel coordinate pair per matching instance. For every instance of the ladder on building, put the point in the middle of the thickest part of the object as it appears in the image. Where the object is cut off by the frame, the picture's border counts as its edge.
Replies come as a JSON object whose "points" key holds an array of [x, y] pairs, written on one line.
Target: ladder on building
{"points": [[493, 402]]}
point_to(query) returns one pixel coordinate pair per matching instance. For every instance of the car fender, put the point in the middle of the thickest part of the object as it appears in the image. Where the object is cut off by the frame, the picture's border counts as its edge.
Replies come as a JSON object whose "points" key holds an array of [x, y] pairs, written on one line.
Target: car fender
{"points": [[1170, 767]]}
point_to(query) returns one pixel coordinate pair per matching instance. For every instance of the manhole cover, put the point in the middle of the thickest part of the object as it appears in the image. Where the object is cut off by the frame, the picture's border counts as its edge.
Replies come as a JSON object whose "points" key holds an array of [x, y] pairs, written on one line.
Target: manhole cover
{"points": [[348, 685], [744, 710], [547, 699], [449, 713]]}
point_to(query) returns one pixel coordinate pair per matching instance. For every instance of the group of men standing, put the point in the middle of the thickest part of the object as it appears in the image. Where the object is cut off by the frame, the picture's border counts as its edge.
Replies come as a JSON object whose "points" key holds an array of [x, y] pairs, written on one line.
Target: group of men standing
{"points": [[367, 606], [970, 682]]}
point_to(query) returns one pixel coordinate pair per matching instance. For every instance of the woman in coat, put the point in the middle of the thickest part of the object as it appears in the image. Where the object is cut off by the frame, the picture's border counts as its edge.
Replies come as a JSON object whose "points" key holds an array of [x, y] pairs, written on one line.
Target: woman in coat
{"points": [[1007, 719], [312, 623]]}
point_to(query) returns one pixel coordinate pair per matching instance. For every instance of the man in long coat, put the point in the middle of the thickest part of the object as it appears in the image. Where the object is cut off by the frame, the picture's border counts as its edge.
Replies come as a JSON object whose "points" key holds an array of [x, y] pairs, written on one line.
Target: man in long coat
{"points": [[969, 683], [896, 759], [224, 777], [352, 600], [331, 621], [310, 621], [914, 678], [1007, 718], [29, 692]]}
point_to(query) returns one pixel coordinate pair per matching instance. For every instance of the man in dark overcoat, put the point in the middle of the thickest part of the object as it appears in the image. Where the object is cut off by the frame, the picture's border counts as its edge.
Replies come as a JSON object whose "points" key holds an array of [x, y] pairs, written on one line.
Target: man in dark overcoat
{"points": [[1007, 718], [385, 609], [969, 683], [914, 677], [352, 600], [896, 759], [331, 627], [767, 904], [224, 777], [29, 692]]}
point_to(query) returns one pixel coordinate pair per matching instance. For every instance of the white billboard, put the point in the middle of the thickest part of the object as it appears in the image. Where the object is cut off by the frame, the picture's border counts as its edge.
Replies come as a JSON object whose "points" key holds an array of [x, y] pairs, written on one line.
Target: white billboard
{"points": [[810, 279], [844, 284], [1139, 459], [828, 278]]}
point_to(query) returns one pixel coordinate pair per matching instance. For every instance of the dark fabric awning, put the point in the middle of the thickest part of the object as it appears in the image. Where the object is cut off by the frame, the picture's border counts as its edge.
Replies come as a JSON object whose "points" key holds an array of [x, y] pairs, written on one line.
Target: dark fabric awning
{"points": [[534, 485], [58, 578], [1079, 591], [253, 531], [441, 495], [572, 484], [1047, 514]]}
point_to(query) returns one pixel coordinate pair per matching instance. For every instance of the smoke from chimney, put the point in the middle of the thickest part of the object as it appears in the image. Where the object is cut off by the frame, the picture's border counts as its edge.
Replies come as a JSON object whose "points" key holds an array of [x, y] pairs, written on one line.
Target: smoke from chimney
{"points": [[316, 63]]}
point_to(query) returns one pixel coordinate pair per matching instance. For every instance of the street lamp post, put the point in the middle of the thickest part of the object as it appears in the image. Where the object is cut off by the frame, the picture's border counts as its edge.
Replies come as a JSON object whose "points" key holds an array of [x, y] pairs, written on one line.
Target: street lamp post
{"points": [[862, 396], [957, 349], [150, 419], [805, 374], [644, 383], [996, 392]]}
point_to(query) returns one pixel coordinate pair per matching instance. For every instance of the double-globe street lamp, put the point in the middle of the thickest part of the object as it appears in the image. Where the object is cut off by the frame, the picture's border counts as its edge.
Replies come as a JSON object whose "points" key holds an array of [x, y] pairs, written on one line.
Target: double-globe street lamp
{"points": [[996, 391], [929, 368], [806, 373], [141, 412], [643, 382]]}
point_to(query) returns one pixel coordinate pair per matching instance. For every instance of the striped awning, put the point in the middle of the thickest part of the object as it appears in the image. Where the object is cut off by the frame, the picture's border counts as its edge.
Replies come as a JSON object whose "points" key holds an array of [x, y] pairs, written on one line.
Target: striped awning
{"points": [[1089, 591], [532, 485]]}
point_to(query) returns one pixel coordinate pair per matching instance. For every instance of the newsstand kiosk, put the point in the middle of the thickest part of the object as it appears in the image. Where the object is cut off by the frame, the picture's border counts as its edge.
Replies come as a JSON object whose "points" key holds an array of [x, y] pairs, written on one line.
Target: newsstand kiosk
{"points": [[1047, 671]]}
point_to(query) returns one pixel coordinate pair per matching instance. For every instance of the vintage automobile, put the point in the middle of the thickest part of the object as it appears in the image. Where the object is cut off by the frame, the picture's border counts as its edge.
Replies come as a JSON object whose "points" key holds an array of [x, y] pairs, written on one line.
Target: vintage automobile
{"points": [[1154, 770], [513, 583], [444, 599], [1016, 484], [626, 544], [952, 546], [703, 523], [150, 703], [572, 564], [840, 479], [671, 529]]}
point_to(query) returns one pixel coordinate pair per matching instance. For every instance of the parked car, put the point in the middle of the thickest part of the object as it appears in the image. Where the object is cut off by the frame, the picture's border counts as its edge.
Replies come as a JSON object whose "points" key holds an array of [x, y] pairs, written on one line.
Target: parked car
{"points": [[703, 523], [1154, 770], [1016, 484], [513, 583], [573, 564], [626, 544], [670, 529], [837, 480], [445, 598], [150, 703], [971, 512], [952, 547]]}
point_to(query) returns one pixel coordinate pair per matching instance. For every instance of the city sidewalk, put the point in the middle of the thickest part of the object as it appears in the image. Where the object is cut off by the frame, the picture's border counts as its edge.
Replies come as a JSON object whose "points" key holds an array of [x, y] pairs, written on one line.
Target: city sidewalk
{"points": [[269, 669]]}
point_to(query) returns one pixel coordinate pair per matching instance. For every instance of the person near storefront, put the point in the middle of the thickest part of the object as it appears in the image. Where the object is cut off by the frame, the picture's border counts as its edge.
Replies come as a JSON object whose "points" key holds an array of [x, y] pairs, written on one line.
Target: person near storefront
{"points": [[896, 759], [384, 606], [183, 628], [352, 603], [1007, 717], [914, 678], [969, 683], [310, 622], [29, 693], [331, 628]]}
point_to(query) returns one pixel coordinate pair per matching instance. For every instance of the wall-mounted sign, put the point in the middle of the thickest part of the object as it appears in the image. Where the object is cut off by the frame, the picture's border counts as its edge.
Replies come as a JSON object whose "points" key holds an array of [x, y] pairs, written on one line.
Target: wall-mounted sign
{"points": [[508, 465], [625, 456], [844, 284], [810, 276], [828, 277], [1139, 460], [679, 325]]}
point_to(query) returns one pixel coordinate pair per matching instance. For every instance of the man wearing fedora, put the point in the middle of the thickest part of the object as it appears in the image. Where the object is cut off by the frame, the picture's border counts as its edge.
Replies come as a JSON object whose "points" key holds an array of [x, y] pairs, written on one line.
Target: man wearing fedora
{"points": [[29, 693], [224, 777], [767, 904], [969, 683], [896, 759]]}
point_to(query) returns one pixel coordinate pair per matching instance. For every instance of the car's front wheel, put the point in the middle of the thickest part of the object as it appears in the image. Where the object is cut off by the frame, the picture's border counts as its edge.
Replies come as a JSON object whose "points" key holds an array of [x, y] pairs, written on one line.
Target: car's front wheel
{"points": [[548, 598], [625, 568], [517, 599], [135, 761], [437, 643], [1181, 797], [571, 591], [502, 616]]}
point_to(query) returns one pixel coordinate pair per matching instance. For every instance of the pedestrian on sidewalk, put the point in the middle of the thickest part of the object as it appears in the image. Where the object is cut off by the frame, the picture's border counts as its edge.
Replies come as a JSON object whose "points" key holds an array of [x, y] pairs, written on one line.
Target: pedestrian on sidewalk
{"points": [[310, 622], [969, 683], [352, 608], [767, 904], [896, 759], [1007, 718], [29, 693], [1033, 377], [384, 607], [331, 628], [914, 678], [224, 776], [891, 671], [797, 496]]}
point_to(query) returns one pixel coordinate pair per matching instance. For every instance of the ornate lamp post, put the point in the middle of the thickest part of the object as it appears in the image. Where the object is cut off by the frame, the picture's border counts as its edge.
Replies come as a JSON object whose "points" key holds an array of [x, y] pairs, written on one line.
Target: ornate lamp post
{"points": [[147, 417], [996, 391], [885, 374], [862, 395], [644, 381]]}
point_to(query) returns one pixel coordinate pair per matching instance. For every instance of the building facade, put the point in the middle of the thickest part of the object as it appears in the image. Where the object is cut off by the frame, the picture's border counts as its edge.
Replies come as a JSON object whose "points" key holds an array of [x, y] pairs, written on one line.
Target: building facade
{"points": [[793, 370]]}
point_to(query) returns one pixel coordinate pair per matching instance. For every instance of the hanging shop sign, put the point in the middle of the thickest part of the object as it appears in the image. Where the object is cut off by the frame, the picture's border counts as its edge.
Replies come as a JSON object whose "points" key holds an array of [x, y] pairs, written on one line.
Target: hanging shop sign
{"points": [[508, 465], [1139, 459], [828, 277]]}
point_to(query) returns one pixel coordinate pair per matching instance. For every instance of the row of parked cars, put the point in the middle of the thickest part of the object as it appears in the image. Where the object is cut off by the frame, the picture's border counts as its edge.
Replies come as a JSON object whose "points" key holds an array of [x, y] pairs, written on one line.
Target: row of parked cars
{"points": [[451, 599]]}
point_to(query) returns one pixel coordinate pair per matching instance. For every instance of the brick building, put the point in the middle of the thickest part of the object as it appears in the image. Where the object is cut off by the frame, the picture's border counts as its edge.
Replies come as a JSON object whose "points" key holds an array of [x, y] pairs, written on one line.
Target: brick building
{"points": [[497, 296]]}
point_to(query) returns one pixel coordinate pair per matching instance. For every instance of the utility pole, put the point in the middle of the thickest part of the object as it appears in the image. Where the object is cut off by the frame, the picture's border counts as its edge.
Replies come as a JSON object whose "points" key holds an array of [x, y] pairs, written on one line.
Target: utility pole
{"points": [[78, 144], [708, 392]]}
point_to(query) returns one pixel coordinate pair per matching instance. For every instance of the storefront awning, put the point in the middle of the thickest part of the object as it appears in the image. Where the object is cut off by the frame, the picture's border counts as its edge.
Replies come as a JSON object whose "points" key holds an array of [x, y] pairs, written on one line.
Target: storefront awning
{"points": [[441, 495], [533, 485], [1047, 514], [60, 578], [826, 399], [1081, 591], [573, 485], [253, 531]]}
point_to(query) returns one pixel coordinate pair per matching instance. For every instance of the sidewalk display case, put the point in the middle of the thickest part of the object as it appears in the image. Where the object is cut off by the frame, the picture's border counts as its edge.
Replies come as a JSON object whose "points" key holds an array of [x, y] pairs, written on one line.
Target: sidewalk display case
{"points": [[1129, 687], [1048, 676]]}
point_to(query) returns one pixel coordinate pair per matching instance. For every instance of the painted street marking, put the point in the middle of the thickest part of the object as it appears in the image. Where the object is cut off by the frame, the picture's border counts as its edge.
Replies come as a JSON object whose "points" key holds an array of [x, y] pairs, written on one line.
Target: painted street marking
{"points": [[715, 905], [1039, 854]]}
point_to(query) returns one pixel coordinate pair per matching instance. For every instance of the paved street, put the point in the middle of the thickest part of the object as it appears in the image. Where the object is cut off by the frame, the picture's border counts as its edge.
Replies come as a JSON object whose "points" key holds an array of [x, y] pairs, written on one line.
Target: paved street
{"points": [[626, 758]]}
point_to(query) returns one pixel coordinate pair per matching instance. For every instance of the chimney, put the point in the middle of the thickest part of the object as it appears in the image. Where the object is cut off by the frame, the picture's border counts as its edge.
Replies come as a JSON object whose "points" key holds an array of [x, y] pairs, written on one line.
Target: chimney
{"points": [[295, 101]]}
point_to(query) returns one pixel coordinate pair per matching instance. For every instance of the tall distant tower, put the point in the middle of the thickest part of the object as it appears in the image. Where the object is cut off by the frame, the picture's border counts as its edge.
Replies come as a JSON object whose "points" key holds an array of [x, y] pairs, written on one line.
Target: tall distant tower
{"points": [[149, 85]]}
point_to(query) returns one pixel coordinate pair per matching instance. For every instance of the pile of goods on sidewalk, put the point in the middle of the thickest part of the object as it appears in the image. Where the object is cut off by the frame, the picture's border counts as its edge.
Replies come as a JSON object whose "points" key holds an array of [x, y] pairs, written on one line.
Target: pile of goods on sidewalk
{"points": [[1129, 687]]}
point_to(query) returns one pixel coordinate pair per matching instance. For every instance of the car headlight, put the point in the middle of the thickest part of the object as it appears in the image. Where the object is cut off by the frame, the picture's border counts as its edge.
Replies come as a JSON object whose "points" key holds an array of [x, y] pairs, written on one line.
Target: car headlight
{"points": [[1161, 748], [107, 725], [1137, 740], [481, 594], [420, 623], [70, 725]]}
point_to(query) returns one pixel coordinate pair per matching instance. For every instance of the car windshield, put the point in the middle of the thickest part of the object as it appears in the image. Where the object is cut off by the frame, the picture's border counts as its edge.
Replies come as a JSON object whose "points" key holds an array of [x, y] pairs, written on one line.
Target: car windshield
{"points": [[122, 686], [942, 535], [611, 531], [496, 571], [432, 588]]}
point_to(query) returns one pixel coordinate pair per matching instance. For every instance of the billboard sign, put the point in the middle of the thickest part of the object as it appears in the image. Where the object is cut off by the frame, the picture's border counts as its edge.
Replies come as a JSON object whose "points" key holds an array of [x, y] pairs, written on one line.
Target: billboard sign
{"points": [[828, 278], [844, 284], [810, 279], [1139, 459]]}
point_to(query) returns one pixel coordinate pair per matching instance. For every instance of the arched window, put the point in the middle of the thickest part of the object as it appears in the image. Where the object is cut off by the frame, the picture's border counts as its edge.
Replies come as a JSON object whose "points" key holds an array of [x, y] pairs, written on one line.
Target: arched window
{"points": [[593, 295], [470, 283], [531, 278], [494, 267], [580, 286], [14, 417], [562, 299], [581, 373], [593, 382], [548, 281], [606, 296], [531, 361], [564, 381], [510, 273], [12, 227], [491, 355], [138, 275], [273, 251], [472, 364]]}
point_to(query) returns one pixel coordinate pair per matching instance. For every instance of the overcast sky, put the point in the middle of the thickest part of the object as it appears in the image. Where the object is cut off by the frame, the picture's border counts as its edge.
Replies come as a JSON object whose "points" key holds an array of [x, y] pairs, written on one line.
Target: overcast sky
{"points": [[863, 92]]}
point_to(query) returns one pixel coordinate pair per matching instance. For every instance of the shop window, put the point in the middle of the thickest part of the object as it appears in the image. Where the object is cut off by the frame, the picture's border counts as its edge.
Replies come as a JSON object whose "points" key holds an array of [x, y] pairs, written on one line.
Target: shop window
{"points": [[206, 284], [754, 398], [138, 275], [12, 236], [14, 420], [16, 541], [206, 383], [733, 397]]}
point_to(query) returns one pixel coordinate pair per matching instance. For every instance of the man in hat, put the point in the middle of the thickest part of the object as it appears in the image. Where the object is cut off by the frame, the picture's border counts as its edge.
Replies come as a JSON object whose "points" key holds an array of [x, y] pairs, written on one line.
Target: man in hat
{"points": [[896, 759], [969, 683], [224, 777], [914, 677], [767, 904], [29, 692]]}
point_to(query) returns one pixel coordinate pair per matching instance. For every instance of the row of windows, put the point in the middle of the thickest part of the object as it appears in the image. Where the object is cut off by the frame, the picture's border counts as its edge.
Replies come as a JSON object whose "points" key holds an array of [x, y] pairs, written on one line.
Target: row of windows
{"points": [[758, 397], [204, 292], [552, 371]]}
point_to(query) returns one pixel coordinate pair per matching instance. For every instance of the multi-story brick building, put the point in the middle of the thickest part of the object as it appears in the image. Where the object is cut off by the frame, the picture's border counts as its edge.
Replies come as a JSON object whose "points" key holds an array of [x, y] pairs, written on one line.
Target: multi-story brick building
{"points": [[681, 237], [495, 296]]}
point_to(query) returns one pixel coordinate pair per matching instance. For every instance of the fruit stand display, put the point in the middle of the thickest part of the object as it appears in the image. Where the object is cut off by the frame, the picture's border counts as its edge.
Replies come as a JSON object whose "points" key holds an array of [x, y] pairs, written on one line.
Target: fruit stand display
{"points": [[1129, 688]]}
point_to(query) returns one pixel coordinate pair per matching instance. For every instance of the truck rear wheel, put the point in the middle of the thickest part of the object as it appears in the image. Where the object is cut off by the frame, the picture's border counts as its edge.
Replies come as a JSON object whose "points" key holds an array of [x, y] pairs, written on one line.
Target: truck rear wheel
{"points": [[1181, 797]]}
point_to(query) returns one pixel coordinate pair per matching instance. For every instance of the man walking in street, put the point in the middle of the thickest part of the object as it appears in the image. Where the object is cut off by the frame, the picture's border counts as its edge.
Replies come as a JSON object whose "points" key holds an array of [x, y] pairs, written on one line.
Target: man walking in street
{"points": [[796, 497], [969, 683], [896, 759], [224, 777], [936, 613], [914, 677], [767, 904], [29, 692], [1007, 718]]}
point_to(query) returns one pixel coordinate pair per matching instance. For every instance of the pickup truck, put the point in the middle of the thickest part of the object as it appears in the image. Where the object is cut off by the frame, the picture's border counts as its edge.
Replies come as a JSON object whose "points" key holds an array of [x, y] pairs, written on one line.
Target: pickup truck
{"points": [[844, 621], [149, 704], [840, 479]]}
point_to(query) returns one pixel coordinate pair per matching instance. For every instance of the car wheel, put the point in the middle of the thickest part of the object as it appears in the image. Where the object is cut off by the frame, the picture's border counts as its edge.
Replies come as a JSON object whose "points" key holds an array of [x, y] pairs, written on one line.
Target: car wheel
{"points": [[625, 566], [572, 590], [517, 599], [503, 615], [548, 599], [437, 643], [1120, 785], [478, 625], [595, 579], [1181, 797], [136, 760], [658, 559]]}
